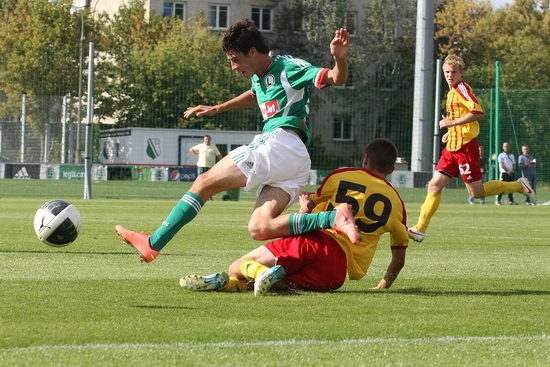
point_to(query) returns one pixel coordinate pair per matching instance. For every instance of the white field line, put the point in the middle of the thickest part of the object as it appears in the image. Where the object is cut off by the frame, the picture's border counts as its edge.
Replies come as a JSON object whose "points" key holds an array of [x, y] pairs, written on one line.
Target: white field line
{"points": [[278, 343]]}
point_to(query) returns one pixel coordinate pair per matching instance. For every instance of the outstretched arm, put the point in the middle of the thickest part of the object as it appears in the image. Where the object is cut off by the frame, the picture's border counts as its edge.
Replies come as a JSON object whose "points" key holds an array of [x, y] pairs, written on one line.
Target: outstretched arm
{"points": [[245, 100], [397, 263], [339, 48]]}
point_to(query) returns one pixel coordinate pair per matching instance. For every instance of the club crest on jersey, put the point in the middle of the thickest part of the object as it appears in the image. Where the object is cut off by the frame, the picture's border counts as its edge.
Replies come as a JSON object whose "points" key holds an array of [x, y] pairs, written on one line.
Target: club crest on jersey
{"points": [[269, 81]]}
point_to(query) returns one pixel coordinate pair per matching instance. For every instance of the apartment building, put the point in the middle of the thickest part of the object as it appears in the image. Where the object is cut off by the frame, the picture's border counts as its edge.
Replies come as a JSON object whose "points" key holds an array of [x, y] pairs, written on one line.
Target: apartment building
{"points": [[221, 14]]}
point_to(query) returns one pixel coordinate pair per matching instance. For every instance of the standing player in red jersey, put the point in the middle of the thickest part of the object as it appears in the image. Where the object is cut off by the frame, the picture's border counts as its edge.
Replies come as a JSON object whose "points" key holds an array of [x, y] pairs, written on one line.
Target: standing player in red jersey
{"points": [[461, 154]]}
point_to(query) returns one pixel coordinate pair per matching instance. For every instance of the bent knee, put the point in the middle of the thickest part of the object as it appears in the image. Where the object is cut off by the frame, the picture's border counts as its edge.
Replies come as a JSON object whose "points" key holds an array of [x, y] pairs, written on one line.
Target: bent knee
{"points": [[259, 229], [436, 186]]}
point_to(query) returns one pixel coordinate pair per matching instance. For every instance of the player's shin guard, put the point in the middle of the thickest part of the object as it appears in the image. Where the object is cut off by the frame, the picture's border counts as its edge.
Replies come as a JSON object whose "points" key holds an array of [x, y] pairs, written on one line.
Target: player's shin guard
{"points": [[250, 269], [427, 211], [495, 187], [184, 212], [303, 223]]}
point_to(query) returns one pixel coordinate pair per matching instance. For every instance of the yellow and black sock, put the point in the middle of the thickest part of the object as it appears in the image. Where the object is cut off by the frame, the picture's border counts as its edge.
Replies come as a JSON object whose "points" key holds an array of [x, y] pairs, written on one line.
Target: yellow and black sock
{"points": [[251, 269], [234, 285]]}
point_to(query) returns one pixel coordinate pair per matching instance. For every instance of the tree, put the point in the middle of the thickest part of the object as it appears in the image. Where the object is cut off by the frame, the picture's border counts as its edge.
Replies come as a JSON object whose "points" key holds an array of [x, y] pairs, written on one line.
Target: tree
{"points": [[165, 66], [518, 36], [306, 27], [385, 70], [36, 53], [380, 64]]}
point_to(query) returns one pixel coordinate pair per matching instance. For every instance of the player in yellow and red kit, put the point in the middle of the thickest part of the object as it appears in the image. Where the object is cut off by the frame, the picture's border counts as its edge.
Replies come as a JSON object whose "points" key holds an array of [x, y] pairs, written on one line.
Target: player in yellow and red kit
{"points": [[461, 154], [320, 260]]}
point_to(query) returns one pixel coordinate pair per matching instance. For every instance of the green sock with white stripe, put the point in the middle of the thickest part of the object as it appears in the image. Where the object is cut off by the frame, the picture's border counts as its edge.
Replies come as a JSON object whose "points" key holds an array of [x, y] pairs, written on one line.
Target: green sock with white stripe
{"points": [[184, 212], [302, 223]]}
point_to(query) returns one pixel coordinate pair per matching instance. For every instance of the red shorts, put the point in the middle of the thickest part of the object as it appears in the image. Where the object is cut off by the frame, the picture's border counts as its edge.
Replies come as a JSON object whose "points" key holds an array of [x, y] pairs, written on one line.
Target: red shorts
{"points": [[464, 162], [313, 261]]}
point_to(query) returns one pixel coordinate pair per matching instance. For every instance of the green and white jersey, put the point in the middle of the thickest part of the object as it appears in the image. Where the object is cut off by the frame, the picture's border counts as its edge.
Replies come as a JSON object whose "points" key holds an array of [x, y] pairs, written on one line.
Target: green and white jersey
{"points": [[282, 93]]}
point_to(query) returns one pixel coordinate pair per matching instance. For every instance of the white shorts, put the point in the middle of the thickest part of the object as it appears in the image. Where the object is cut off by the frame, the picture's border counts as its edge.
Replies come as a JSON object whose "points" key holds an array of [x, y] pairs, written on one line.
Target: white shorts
{"points": [[278, 158]]}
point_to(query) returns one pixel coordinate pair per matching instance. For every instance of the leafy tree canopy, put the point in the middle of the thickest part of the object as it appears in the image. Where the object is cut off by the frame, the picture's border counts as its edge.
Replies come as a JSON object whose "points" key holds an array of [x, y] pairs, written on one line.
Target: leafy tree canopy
{"points": [[517, 35]]}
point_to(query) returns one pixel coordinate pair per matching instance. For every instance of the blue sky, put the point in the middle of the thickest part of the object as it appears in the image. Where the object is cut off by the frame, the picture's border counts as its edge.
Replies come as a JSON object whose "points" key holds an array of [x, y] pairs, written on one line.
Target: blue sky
{"points": [[499, 3]]}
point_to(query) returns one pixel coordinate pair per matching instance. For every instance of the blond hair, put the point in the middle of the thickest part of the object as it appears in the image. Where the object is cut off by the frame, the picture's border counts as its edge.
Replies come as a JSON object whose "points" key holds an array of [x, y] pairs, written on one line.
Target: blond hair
{"points": [[455, 61]]}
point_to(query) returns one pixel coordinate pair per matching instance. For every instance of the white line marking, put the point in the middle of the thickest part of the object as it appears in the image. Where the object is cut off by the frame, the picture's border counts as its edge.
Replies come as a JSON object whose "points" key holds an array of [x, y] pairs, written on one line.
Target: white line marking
{"points": [[442, 339]]}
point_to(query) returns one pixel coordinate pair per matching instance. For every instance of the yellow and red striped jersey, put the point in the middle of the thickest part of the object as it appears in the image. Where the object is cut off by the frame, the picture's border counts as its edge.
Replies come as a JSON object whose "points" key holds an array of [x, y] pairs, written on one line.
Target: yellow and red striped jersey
{"points": [[460, 101]]}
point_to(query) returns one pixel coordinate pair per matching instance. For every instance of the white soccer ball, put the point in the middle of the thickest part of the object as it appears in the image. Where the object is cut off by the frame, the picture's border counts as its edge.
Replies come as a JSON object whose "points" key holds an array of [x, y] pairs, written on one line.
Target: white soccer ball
{"points": [[57, 223]]}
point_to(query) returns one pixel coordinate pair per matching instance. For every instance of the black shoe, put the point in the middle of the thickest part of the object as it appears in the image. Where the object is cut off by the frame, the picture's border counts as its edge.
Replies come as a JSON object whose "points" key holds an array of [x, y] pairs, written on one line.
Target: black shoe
{"points": [[512, 203]]}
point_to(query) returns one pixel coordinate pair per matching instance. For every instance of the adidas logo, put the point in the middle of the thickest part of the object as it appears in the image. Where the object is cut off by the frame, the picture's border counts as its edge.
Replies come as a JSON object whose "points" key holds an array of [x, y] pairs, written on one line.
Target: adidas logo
{"points": [[22, 174]]}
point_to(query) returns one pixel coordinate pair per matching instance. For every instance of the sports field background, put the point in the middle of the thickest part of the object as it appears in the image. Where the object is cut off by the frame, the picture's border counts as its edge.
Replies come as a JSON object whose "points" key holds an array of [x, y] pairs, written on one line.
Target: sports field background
{"points": [[474, 293]]}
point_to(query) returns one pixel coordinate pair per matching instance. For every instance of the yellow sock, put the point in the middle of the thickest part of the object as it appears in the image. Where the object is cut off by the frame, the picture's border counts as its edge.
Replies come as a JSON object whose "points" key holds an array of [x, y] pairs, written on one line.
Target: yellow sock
{"points": [[428, 209], [250, 269], [234, 285], [494, 187]]}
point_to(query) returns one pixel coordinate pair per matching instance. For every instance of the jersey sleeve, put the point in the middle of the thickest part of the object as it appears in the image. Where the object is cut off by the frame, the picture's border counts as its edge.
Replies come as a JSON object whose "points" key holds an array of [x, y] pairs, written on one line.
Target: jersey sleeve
{"points": [[302, 74], [468, 98]]}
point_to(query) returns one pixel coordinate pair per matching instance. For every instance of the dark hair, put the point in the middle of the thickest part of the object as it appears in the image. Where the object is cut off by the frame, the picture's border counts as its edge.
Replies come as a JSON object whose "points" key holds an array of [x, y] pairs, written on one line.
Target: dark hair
{"points": [[242, 36], [382, 154]]}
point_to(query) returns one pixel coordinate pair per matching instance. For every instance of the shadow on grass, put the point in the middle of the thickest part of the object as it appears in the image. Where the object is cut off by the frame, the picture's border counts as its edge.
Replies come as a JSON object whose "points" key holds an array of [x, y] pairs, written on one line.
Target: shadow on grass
{"points": [[164, 307], [445, 293], [60, 251]]}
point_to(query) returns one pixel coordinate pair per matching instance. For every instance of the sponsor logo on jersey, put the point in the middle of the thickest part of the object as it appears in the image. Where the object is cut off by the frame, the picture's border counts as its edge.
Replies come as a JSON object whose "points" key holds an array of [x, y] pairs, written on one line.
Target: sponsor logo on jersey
{"points": [[269, 108]]}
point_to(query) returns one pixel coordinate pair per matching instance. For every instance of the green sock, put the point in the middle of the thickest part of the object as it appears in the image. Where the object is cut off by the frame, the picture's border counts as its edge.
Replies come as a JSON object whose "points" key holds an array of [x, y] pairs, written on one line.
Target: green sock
{"points": [[302, 223], [184, 212]]}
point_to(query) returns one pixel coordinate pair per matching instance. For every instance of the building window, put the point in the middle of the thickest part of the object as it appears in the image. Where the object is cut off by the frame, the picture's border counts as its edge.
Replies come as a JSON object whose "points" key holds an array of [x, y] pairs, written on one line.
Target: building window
{"points": [[218, 16], [262, 17], [175, 10], [350, 23], [341, 127]]}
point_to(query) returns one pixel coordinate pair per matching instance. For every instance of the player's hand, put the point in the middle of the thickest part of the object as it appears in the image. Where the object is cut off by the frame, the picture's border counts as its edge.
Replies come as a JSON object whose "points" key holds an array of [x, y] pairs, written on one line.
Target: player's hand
{"points": [[382, 285], [339, 46], [445, 137], [305, 202], [445, 122], [200, 111]]}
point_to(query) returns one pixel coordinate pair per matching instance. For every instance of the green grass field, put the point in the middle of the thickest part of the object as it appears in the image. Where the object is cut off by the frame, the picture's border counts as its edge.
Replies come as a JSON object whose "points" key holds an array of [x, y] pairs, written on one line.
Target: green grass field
{"points": [[476, 292]]}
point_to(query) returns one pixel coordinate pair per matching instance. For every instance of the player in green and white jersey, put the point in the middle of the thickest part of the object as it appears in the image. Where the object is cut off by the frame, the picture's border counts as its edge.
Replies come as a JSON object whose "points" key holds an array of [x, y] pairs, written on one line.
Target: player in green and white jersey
{"points": [[276, 161]]}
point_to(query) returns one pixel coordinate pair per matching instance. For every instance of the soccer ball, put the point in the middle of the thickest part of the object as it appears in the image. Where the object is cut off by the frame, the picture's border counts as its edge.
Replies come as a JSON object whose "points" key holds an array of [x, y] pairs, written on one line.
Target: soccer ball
{"points": [[57, 223]]}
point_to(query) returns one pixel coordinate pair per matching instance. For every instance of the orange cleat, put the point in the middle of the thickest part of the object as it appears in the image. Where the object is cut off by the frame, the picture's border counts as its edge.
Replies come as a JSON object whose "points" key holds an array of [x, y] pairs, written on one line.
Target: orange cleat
{"points": [[344, 223], [140, 243]]}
